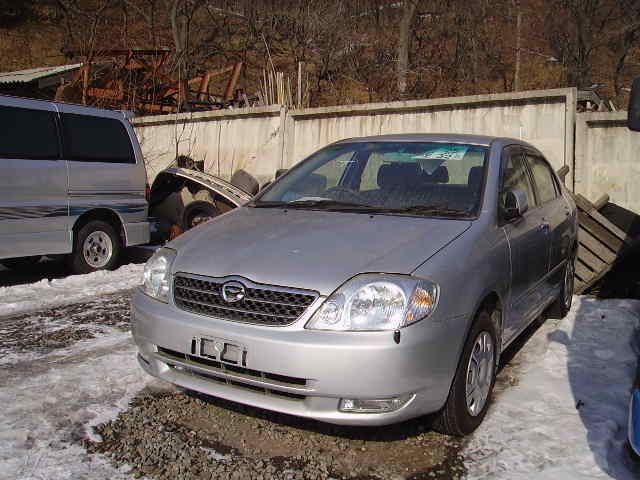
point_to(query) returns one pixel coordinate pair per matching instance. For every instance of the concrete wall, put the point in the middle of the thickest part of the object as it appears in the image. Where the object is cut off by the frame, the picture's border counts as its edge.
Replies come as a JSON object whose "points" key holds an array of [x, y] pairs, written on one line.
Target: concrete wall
{"points": [[251, 139], [265, 139], [607, 158]]}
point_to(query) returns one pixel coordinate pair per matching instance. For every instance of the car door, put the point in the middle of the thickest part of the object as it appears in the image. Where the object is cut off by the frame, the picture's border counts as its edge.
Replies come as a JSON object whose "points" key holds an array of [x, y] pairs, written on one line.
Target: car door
{"points": [[556, 215], [33, 181], [528, 245]]}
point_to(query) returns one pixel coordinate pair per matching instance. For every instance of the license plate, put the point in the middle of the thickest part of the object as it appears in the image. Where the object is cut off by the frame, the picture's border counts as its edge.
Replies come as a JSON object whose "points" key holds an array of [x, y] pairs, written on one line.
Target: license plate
{"points": [[222, 350]]}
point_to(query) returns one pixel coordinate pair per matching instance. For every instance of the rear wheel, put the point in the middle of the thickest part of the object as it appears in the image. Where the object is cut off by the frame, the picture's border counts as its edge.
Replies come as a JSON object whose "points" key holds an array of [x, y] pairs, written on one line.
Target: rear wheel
{"points": [[473, 382], [97, 246], [22, 263], [561, 306]]}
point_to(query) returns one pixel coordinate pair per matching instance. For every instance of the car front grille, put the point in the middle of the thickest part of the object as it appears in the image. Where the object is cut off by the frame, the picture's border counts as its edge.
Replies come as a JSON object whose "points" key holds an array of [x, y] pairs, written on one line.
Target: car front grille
{"points": [[232, 375], [261, 304]]}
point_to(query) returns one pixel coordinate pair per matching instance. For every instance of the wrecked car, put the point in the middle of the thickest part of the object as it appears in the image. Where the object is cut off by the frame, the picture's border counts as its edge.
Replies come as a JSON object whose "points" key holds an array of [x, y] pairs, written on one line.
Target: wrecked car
{"points": [[182, 198], [376, 281]]}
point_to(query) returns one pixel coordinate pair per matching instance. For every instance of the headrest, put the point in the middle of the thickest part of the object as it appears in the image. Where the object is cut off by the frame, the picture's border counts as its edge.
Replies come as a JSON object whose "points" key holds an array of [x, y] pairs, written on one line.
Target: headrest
{"points": [[397, 174], [440, 175], [313, 184], [475, 177]]}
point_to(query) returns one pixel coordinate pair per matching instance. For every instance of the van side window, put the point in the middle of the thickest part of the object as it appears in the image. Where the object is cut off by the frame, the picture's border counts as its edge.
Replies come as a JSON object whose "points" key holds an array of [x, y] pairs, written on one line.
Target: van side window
{"points": [[27, 133], [95, 139], [542, 175]]}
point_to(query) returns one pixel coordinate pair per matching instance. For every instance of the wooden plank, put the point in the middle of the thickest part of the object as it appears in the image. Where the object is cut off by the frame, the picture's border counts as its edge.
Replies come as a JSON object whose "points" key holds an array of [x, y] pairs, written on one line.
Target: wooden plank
{"points": [[590, 210], [590, 260], [583, 272], [579, 287], [599, 232], [597, 247]]}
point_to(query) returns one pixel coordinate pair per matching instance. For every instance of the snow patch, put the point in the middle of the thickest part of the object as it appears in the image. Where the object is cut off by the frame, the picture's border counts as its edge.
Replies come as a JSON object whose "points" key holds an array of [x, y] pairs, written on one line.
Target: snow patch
{"points": [[48, 293], [567, 415]]}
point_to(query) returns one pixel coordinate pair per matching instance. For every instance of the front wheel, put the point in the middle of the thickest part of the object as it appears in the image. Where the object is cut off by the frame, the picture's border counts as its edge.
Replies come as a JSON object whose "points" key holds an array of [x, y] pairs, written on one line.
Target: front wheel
{"points": [[96, 247], [473, 382]]}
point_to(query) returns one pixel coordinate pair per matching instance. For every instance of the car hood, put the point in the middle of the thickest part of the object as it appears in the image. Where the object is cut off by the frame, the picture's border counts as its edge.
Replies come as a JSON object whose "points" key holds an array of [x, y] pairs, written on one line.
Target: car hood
{"points": [[309, 249]]}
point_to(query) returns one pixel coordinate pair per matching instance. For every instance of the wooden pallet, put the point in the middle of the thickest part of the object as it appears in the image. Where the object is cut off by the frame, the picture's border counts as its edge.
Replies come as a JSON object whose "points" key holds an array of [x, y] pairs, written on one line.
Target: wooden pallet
{"points": [[600, 244]]}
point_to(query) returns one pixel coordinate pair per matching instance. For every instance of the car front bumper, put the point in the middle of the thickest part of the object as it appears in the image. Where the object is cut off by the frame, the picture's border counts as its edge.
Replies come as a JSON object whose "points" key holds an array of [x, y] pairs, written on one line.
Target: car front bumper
{"points": [[302, 372]]}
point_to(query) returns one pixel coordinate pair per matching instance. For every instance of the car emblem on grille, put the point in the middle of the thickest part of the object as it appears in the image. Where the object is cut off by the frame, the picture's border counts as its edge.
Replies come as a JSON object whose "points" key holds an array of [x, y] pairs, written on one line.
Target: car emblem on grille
{"points": [[233, 292]]}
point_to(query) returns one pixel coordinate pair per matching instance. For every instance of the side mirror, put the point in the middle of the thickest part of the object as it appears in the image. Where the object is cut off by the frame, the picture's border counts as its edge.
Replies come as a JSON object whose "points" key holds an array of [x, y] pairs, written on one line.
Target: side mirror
{"points": [[515, 204], [633, 112]]}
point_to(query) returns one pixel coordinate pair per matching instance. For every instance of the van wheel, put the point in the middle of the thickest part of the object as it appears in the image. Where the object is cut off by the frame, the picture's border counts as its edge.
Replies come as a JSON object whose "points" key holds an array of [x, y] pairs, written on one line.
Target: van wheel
{"points": [[561, 306], [21, 263], [473, 382], [96, 247]]}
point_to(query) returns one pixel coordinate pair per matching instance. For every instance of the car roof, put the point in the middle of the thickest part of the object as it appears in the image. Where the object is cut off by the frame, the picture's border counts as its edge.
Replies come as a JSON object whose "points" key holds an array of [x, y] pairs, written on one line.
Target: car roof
{"points": [[484, 140], [34, 103]]}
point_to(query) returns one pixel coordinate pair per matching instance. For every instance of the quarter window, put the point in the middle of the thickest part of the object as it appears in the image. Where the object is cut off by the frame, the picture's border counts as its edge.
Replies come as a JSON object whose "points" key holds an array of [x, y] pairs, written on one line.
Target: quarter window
{"points": [[542, 175], [30, 134], [96, 139], [515, 177]]}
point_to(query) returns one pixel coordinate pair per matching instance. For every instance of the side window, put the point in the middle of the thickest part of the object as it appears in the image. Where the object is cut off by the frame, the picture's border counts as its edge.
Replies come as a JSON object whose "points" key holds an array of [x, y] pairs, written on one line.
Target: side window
{"points": [[545, 184], [515, 177], [95, 139], [30, 134]]}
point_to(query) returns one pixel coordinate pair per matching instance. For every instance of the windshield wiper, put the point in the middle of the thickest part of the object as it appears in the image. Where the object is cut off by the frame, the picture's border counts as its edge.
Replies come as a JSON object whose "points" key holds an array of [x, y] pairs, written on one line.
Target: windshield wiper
{"points": [[433, 210], [324, 204]]}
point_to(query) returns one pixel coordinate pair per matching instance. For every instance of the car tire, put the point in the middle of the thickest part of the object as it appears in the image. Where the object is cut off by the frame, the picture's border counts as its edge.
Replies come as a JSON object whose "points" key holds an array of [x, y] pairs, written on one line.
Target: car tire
{"points": [[466, 406], [97, 246], [198, 208], [561, 306], [21, 263]]}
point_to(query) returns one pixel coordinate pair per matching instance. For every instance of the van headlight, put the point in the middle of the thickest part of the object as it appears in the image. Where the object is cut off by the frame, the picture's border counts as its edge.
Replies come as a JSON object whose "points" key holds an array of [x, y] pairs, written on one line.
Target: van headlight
{"points": [[376, 302], [157, 274]]}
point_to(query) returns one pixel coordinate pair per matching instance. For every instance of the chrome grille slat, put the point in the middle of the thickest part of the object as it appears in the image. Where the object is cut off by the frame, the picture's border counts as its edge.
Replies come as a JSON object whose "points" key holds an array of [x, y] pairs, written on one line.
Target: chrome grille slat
{"points": [[250, 312], [262, 304]]}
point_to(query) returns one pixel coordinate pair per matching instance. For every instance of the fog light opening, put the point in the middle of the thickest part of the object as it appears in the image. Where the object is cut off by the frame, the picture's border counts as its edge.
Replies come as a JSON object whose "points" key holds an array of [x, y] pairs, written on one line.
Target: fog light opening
{"points": [[374, 405]]}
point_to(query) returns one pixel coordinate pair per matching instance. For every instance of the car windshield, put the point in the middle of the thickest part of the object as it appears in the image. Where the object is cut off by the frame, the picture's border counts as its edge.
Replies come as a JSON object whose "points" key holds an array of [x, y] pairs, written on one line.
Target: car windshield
{"points": [[414, 178]]}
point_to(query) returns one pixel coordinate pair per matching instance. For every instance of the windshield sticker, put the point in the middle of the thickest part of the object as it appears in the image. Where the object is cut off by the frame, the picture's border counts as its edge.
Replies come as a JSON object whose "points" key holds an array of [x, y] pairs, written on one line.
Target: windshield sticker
{"points": [[450, 152]]}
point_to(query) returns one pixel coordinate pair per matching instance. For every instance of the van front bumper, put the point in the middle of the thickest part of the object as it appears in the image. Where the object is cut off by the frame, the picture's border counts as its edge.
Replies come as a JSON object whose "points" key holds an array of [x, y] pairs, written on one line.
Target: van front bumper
{"points": [[301, 372]]}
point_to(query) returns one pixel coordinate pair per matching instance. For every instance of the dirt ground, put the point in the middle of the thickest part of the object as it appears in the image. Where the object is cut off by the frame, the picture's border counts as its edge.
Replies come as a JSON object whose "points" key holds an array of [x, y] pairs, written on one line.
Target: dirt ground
{"points": [[170, 433], [185, 435]]}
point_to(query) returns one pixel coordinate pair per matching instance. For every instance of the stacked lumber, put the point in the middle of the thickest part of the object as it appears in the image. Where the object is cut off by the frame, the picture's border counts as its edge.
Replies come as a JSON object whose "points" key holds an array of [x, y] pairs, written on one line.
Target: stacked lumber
{"points": [[601, 244]]}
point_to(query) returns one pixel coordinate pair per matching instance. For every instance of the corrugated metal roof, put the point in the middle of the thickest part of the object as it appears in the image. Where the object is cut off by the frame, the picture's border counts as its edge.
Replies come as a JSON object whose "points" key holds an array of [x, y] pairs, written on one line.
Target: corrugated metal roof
{"points": [[31, 74]]}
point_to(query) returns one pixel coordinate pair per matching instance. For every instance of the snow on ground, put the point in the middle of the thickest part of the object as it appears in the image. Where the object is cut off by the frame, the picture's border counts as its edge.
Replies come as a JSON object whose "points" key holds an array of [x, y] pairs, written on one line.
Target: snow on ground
{"points": [[47, 293], [560, 408], [51, 397]]}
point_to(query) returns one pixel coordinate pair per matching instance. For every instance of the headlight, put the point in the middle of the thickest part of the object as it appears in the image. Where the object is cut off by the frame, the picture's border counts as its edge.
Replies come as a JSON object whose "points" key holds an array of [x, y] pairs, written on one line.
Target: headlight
{"points": [[157, 274], [376, 302]]}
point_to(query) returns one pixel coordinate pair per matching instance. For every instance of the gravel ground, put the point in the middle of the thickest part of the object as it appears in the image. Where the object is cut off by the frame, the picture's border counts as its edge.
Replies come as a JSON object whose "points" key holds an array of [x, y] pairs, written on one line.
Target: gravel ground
{"points": [[170, 433], [186, 435], [59, 327]]}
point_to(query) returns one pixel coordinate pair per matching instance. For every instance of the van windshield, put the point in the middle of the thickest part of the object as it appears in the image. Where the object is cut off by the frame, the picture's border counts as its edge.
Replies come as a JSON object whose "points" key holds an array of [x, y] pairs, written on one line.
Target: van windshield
{"points": [[430, 179]]}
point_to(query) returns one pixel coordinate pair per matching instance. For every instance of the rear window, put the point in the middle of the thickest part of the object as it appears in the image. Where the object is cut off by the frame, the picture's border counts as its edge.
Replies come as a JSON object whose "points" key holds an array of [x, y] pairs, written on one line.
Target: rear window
{"points": [[96, 139], [29, 134]]}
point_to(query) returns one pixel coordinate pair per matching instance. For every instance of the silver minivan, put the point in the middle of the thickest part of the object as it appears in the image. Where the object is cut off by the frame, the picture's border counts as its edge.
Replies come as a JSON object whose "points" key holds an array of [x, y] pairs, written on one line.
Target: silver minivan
{"points": [[72, 182], [378, 280]]}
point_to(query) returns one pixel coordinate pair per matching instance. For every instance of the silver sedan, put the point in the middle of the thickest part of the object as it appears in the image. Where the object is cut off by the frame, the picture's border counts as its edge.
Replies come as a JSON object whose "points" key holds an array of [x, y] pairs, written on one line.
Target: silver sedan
{"points": [[376, 281]]}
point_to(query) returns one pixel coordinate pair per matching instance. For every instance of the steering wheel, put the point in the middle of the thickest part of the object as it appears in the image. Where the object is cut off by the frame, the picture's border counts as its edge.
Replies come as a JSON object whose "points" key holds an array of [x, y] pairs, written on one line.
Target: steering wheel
{"points": [[343, 194]]}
